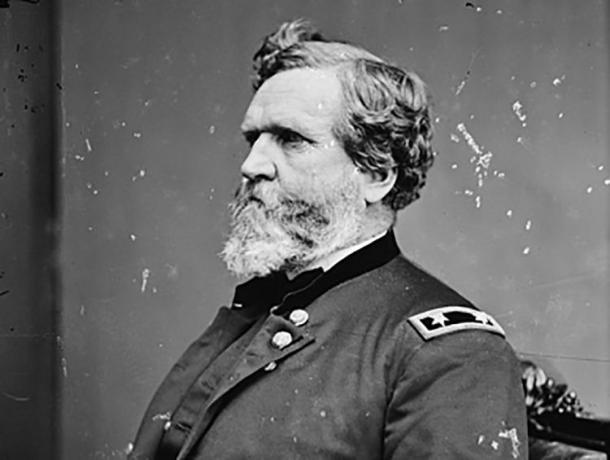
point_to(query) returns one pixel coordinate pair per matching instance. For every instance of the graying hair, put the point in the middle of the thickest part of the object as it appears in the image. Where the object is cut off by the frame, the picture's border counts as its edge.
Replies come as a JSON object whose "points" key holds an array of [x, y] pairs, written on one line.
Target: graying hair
{"points": [[386, 120]]}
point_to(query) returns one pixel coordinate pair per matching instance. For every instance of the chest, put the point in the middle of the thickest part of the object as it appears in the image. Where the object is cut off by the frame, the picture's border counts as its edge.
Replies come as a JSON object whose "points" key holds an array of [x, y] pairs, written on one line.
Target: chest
{"points": [[326, 401]]}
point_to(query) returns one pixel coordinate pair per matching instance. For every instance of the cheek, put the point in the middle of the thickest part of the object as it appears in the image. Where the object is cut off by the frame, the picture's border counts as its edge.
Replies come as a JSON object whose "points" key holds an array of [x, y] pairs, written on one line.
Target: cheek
{"points": [[300, 176], [327, 166], [318, 178]]}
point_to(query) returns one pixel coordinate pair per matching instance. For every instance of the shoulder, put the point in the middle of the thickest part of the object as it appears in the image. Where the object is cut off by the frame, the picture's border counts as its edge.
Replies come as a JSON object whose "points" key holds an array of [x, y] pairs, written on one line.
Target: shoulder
{"points": [[423, 326], [453, 344], [432, 321], [464, 357], [415, 306]]}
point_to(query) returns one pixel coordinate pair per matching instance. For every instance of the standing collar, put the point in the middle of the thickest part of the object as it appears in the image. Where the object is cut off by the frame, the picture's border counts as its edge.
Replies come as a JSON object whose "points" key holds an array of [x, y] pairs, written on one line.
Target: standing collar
{"points": [[331, 260], [259, 294]]}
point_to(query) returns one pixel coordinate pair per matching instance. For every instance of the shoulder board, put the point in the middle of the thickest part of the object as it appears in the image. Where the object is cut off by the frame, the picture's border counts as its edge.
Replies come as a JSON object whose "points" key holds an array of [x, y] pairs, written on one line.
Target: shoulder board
{"points": [[444, 320]]}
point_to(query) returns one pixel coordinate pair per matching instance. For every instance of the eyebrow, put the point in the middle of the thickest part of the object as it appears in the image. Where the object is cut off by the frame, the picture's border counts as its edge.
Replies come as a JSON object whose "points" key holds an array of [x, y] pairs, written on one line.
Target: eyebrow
{"points": [[274, 128], [280, 122]]}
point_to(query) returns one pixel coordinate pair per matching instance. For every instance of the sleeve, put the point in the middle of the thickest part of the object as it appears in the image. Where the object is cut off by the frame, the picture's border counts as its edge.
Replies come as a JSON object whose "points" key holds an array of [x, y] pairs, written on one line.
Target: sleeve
{"points": [[458, 396]]}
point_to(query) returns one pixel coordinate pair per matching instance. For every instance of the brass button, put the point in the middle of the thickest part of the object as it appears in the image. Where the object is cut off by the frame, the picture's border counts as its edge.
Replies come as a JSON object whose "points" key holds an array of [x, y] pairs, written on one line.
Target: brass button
{"points": [[281, 339], [298, 317]]}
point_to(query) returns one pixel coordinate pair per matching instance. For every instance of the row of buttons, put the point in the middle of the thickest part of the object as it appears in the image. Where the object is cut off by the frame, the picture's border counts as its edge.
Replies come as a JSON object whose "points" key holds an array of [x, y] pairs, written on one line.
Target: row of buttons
{"points": [[282, 339]]}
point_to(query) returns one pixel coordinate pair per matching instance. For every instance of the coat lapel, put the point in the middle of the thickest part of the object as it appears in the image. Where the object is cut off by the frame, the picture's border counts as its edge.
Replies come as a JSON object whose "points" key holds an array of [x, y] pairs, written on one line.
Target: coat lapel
{"points": [[228, 325], [259, 353]]}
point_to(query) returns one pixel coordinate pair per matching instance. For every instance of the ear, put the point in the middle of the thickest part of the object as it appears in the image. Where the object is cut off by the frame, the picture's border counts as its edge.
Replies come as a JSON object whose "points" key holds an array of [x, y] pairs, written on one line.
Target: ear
{"points": [[377, 186]]}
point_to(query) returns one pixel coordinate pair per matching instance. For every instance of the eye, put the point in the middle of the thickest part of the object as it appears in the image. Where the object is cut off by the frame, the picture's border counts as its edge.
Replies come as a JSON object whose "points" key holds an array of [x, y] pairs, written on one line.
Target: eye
{"points": [[290, 139]]}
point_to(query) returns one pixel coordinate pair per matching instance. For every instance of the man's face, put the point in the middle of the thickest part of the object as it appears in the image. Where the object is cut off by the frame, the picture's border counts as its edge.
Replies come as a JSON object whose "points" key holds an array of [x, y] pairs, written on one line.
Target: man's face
{"points": [[301, 195]]}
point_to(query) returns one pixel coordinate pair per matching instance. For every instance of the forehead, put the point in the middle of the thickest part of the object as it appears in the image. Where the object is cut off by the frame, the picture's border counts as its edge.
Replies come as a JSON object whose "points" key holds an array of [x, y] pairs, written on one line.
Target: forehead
{"points": [[297, 98]]}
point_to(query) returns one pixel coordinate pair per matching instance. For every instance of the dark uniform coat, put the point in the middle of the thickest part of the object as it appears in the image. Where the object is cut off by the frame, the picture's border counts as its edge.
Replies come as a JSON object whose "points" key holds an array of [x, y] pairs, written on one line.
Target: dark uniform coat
{"points": [[374, 359]]}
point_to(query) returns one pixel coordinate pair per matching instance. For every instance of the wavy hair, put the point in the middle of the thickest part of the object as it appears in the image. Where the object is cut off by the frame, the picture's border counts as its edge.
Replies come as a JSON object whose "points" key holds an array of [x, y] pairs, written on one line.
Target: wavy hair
{"points": [[385, 120]]}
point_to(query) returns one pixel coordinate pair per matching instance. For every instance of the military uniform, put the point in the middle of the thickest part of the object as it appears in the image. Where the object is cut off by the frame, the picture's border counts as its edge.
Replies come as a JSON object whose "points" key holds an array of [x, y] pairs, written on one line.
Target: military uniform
{"points": [[373, 359]]}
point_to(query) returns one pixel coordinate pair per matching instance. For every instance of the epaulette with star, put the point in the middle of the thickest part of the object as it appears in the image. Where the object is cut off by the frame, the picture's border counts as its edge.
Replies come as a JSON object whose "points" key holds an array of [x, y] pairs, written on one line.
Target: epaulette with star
{"points": [[445, 320]]}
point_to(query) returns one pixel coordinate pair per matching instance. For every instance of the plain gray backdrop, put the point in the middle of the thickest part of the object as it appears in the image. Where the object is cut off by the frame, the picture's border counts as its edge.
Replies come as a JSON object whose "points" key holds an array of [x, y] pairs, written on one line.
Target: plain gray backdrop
{"points": [[143, 101]]}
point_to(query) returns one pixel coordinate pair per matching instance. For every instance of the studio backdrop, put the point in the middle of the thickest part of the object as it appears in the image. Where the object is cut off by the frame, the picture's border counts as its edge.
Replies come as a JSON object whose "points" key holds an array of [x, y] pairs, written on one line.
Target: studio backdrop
{"points": [[120, 148]]}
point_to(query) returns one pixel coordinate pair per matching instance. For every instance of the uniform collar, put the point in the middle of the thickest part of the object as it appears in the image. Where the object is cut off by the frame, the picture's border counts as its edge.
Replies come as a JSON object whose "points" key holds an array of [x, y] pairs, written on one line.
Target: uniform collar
{"points": [[329, 261], [257, 296]]}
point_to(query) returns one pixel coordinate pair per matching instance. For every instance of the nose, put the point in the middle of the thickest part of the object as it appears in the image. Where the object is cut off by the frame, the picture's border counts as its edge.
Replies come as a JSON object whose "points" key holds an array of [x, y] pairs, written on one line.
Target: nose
{"points": [[259, 164]]}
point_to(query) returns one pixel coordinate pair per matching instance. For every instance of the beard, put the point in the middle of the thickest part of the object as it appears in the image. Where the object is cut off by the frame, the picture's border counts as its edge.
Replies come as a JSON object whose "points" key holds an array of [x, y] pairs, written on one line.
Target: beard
{"points": [[277, 230]]}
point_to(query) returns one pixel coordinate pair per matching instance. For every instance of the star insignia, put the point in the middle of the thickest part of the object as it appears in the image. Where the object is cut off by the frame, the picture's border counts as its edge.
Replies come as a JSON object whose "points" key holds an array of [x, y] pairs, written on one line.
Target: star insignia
{"points": [[481, 317], [439, 318]]}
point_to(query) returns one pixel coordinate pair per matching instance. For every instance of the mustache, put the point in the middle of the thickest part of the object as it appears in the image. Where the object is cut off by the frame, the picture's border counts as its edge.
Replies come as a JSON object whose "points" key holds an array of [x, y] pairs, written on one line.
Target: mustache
{"points": [[266, 196], [278, 204], [247, 192]]}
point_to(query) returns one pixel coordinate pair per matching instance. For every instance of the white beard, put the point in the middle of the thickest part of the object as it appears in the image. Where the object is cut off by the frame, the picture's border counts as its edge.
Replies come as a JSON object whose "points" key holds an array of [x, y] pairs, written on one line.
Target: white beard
{"points": [[273, 230]]}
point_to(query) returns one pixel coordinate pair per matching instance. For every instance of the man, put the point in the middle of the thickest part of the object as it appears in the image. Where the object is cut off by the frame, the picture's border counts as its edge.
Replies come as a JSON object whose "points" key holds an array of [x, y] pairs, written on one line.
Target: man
{"points": [[337, 347]]}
